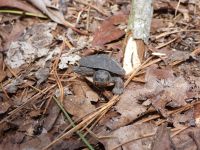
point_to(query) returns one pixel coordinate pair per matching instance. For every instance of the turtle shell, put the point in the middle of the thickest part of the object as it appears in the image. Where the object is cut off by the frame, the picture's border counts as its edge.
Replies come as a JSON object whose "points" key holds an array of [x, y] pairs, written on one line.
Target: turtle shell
{"points": [[102, 61]]}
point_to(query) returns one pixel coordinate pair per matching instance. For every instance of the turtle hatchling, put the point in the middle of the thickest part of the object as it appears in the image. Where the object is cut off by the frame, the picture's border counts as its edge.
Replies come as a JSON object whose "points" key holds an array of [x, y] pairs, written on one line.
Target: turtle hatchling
{"points": [[104, 71]]}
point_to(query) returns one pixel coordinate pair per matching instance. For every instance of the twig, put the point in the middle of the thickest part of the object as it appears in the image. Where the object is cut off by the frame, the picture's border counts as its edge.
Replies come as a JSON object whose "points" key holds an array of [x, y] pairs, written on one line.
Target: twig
{"points": [[165, 44], [173, 32], [17, 12], [88, 19], [177, 7], [181, 130]]}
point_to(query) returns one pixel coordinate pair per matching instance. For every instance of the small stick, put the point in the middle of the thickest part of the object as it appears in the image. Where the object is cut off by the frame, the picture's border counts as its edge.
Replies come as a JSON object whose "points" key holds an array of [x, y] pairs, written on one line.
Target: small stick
{"points": [[165, 44], [92, 6]]}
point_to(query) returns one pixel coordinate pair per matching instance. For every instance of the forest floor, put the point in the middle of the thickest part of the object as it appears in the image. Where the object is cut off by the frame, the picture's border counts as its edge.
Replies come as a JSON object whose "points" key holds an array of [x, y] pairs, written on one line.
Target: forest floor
{"points": [[44, 104]]}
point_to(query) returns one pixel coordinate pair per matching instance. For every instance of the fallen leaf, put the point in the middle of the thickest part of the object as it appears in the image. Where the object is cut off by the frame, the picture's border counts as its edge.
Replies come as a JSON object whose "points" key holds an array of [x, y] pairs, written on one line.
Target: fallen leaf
{"points": [[66, 89], [124, 134], [10, 33], [108, 31], [128, 108], [69, 144], [36, 143], [170, 4], [183, 119], [67, 59], [42, 74], [163, 139], [35, 113], [171, 90], [13, 86], [78, 105], [47, 8], [157, 24], [184, 141], [33, 44], [53, 113]]}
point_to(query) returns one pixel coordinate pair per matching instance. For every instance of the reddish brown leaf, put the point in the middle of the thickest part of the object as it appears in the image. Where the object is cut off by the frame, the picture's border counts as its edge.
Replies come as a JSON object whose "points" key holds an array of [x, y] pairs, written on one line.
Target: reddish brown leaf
{"points": [[157, 24], [80, 103], [8, 37], [162, 139], [108, 31]]}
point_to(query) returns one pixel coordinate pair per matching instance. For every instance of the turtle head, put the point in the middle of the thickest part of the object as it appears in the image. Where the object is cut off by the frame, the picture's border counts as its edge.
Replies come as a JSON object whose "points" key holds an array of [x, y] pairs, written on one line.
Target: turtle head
{"points": [[101, 78]]}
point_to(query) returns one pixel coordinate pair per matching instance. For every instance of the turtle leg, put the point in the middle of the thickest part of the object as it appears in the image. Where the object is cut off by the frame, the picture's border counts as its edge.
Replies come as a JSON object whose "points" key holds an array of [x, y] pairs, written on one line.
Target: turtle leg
{"points": [[84, 71], [119, 85]]}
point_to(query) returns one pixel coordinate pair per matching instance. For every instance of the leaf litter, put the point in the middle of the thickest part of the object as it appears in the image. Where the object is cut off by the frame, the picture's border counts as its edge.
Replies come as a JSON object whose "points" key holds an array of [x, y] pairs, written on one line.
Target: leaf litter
{"points": [[158, 109]]}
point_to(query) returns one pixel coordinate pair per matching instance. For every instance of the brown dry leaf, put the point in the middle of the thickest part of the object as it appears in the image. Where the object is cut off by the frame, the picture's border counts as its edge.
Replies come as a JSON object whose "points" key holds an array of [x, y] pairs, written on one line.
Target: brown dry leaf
{"points": [[128, 107], [53, 113], [157, 24], [177, 56], [69, 144], [22, 5], [124, 134], [47, 8], [10, 33], [116, 45], [182, 119], [173, 57], [34, 43], [108, 31], [170, 4], [171, 90], [35, 113], [182, 9], [36, 143], [162, 139], [183, 140], [12, 141], [78, 104]]}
